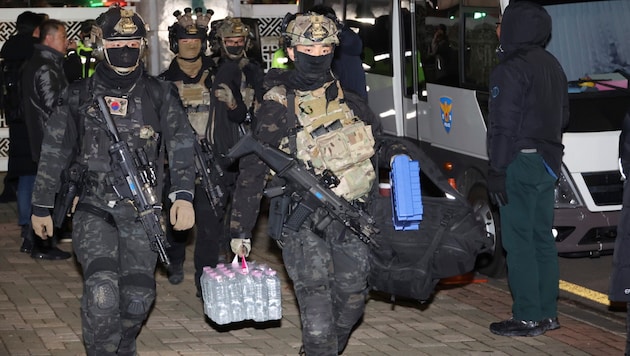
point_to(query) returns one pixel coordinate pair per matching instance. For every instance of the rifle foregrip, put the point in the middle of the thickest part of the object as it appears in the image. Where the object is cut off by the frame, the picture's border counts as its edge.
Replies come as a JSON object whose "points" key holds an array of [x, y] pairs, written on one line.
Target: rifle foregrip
{"points": [[298, 216]]}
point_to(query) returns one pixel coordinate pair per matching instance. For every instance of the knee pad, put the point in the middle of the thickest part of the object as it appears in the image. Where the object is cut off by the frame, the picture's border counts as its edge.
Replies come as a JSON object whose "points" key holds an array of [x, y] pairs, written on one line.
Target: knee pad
{"points": [[136, 307], [103, 297]]}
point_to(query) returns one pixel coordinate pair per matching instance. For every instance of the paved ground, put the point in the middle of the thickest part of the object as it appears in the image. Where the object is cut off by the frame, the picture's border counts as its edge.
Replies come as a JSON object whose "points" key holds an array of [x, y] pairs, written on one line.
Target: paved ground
{"points": [[39, 315]]}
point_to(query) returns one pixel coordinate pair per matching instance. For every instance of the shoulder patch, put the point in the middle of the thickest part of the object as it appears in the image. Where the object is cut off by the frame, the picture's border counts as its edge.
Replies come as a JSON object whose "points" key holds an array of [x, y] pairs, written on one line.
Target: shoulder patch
{"points": [[278, 94]]}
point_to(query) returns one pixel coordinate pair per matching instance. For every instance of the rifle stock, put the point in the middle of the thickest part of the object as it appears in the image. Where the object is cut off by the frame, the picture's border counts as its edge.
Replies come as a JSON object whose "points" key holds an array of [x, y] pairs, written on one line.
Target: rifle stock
{"points": [[285, 166]]}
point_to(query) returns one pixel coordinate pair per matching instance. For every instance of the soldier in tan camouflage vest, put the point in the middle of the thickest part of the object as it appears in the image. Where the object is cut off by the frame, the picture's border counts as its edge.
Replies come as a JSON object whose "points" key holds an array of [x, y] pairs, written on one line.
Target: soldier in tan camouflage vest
{"points": [[192, 71], [307, 114]]}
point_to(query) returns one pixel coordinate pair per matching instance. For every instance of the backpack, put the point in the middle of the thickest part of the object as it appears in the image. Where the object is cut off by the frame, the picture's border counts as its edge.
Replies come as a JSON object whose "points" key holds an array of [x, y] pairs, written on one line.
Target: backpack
{"points": [[410, 263]]}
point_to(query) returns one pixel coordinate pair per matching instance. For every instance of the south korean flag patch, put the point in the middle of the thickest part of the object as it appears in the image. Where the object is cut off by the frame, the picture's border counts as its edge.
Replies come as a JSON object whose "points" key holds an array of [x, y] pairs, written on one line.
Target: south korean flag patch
{"points": [[117, 106]]}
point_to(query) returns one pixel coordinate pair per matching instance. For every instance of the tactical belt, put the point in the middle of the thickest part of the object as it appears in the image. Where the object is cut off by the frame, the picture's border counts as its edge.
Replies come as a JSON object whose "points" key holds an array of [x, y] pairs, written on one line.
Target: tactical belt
{"points": [[98, 212]]}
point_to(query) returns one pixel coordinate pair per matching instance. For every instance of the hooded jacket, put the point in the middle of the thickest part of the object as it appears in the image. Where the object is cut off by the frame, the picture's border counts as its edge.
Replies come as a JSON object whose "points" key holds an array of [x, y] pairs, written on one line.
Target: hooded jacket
{"points": [[529, 101]]}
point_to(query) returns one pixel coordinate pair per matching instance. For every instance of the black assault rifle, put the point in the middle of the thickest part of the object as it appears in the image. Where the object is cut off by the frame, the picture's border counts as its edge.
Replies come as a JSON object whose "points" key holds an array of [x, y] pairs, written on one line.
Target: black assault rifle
{"points": [[134, 179], [210, 173], [317, 193], [71, 185]]}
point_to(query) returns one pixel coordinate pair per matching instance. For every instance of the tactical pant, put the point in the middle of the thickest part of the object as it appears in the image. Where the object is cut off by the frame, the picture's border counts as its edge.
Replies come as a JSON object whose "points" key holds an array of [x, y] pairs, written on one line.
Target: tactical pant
{"points": [[118, 278], [526, 223], [329, 275], [210, 234]]}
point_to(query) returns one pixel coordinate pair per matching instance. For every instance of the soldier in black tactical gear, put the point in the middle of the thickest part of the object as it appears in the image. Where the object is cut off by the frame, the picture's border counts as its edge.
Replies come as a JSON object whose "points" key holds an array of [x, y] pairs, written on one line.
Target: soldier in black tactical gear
{"points": [[220, 95], [192, 72], [110, 243], [308, 115]]}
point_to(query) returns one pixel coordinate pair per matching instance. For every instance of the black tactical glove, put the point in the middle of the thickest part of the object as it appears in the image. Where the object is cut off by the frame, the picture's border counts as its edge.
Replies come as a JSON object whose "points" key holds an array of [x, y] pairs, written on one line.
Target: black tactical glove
{"points": [[496, 188]]}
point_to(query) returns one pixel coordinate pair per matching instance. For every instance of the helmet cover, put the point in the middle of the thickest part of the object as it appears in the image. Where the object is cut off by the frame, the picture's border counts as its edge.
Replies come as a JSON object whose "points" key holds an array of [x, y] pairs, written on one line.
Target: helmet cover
{"points": [[310, 29], [233, 27], [120, 24]]}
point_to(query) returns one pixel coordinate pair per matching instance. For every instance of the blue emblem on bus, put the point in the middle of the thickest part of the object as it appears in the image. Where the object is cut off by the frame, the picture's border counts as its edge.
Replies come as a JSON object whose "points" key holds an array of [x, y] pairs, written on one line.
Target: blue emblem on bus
{"points": [[446, 106]]}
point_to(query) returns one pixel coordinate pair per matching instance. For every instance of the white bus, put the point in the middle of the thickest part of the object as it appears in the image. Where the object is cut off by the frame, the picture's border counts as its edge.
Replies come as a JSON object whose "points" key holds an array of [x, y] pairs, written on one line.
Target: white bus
{"points": [[442, 102]]}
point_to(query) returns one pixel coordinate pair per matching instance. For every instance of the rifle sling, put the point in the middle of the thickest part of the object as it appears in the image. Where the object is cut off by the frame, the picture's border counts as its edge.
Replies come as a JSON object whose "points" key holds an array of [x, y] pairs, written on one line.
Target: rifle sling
{"points": [[98, 212]]}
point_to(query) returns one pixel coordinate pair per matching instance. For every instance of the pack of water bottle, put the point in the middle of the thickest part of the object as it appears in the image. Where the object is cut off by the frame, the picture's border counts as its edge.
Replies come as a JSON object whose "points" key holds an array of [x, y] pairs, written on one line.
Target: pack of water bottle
{"points": [[241, 291]]}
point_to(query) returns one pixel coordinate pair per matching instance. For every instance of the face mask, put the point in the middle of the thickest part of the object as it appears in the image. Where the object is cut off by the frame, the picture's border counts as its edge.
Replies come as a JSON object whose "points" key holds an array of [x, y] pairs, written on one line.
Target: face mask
{"points": [[313, 67], [189, 50], [234, 50], [123, 57]]}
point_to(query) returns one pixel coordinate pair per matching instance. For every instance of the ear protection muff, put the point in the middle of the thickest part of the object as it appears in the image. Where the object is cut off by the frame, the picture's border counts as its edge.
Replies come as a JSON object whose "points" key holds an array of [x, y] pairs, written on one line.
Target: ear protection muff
{"points": [[172, 39], [286, 39], [96, 38]]}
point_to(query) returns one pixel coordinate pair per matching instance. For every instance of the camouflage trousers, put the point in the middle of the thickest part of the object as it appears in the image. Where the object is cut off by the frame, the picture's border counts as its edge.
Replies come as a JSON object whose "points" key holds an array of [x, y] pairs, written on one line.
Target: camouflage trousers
{"points": [[329, 276], [118, 278]]}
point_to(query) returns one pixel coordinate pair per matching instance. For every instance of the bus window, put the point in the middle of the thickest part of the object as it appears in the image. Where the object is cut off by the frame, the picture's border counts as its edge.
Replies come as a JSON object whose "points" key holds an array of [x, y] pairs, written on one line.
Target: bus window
{"points": [[480, 46]]}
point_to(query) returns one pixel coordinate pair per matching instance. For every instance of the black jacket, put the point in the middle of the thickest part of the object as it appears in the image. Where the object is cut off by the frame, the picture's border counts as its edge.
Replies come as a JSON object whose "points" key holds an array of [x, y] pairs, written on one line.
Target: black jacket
{"points": [[620, 276], [43, 80], [529, 101], [15, 53]]}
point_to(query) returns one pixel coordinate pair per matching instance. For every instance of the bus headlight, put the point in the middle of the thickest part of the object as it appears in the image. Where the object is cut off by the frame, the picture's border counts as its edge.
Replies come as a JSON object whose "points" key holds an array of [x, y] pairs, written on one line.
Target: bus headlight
{"points": [[566, 196]]}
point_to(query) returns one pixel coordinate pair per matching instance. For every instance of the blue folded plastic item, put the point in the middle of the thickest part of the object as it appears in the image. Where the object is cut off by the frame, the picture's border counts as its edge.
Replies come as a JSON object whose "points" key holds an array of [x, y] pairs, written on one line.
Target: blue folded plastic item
{"points": [[406, 193]]}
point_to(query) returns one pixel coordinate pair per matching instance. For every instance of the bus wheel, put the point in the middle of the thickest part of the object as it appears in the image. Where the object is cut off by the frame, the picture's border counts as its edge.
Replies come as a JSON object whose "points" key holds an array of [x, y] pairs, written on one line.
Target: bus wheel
{"points": [[492, 262]]}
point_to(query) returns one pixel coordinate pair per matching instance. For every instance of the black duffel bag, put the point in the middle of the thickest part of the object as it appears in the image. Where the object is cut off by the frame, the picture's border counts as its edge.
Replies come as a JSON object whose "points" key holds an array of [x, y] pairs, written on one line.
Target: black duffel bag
{"points": [[409, 264]]}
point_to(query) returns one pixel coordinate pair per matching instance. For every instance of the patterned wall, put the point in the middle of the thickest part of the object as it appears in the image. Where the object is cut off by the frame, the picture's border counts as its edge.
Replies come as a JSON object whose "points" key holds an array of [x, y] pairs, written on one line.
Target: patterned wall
{"points": [[269, 34], [6, 30]]}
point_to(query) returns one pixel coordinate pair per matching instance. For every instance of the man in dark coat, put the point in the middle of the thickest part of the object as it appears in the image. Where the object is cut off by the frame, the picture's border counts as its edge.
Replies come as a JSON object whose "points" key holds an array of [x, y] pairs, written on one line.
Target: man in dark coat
{"points": [[528, 113], [620, 278], [15, 52], [43, 79]]}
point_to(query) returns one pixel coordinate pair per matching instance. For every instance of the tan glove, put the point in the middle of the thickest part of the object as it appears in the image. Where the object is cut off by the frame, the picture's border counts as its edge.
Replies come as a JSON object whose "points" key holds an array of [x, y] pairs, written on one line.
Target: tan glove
{"points": [[42, 225], [241, 247], [224, 94], [182, 215]]}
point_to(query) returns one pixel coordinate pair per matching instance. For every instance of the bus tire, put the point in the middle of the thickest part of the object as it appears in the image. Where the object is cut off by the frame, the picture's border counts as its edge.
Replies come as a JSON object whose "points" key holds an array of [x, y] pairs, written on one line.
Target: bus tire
{"points": [[492, 262]]}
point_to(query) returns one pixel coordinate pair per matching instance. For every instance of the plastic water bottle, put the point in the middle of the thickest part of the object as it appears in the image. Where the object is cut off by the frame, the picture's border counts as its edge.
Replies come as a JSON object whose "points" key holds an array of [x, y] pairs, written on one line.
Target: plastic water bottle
{"points": [[206, 289], [247, 284], [274, 295], [260, 296], [235, 295], [220, 309]]}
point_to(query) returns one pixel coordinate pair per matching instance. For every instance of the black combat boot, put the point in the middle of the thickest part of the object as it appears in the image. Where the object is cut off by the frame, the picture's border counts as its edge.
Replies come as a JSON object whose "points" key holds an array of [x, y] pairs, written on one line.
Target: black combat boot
{"points": [[176, 272], [47, 250]]}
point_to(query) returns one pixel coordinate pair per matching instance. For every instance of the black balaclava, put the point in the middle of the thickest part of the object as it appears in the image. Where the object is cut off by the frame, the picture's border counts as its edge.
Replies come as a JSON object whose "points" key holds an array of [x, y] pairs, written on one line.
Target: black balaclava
{"points": [[312, 71]]}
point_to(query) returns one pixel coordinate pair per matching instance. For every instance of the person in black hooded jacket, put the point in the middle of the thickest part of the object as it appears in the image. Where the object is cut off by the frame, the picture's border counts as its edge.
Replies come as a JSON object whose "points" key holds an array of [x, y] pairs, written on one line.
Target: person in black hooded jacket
{"points": [[620, 276], [528, 113]]}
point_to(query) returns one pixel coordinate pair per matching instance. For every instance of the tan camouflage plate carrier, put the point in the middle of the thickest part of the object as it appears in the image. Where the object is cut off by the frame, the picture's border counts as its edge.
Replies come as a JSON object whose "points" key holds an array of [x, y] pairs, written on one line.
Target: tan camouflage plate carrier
{"points": [[196, 100], [333, 138]]}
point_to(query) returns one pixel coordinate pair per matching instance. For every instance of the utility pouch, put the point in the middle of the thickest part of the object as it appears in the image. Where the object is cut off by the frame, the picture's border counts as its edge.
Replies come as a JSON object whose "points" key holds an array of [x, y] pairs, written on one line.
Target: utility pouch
{"points": [[71, 186], [278, 212]]}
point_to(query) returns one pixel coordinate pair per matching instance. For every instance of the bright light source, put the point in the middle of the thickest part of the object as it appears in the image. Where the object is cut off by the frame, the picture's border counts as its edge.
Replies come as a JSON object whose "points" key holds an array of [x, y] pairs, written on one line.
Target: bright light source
{"points": [[387, 113]]}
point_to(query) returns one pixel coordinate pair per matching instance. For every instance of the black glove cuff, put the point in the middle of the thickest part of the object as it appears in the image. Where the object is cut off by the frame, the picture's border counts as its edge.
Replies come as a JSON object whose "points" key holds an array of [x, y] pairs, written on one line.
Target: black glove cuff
{"points": [[40, 211]]}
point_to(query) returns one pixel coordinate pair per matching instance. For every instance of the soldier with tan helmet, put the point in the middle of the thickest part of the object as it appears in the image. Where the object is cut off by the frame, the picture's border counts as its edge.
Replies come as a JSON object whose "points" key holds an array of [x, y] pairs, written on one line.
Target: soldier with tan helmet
{"points": [[308, 115]]}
